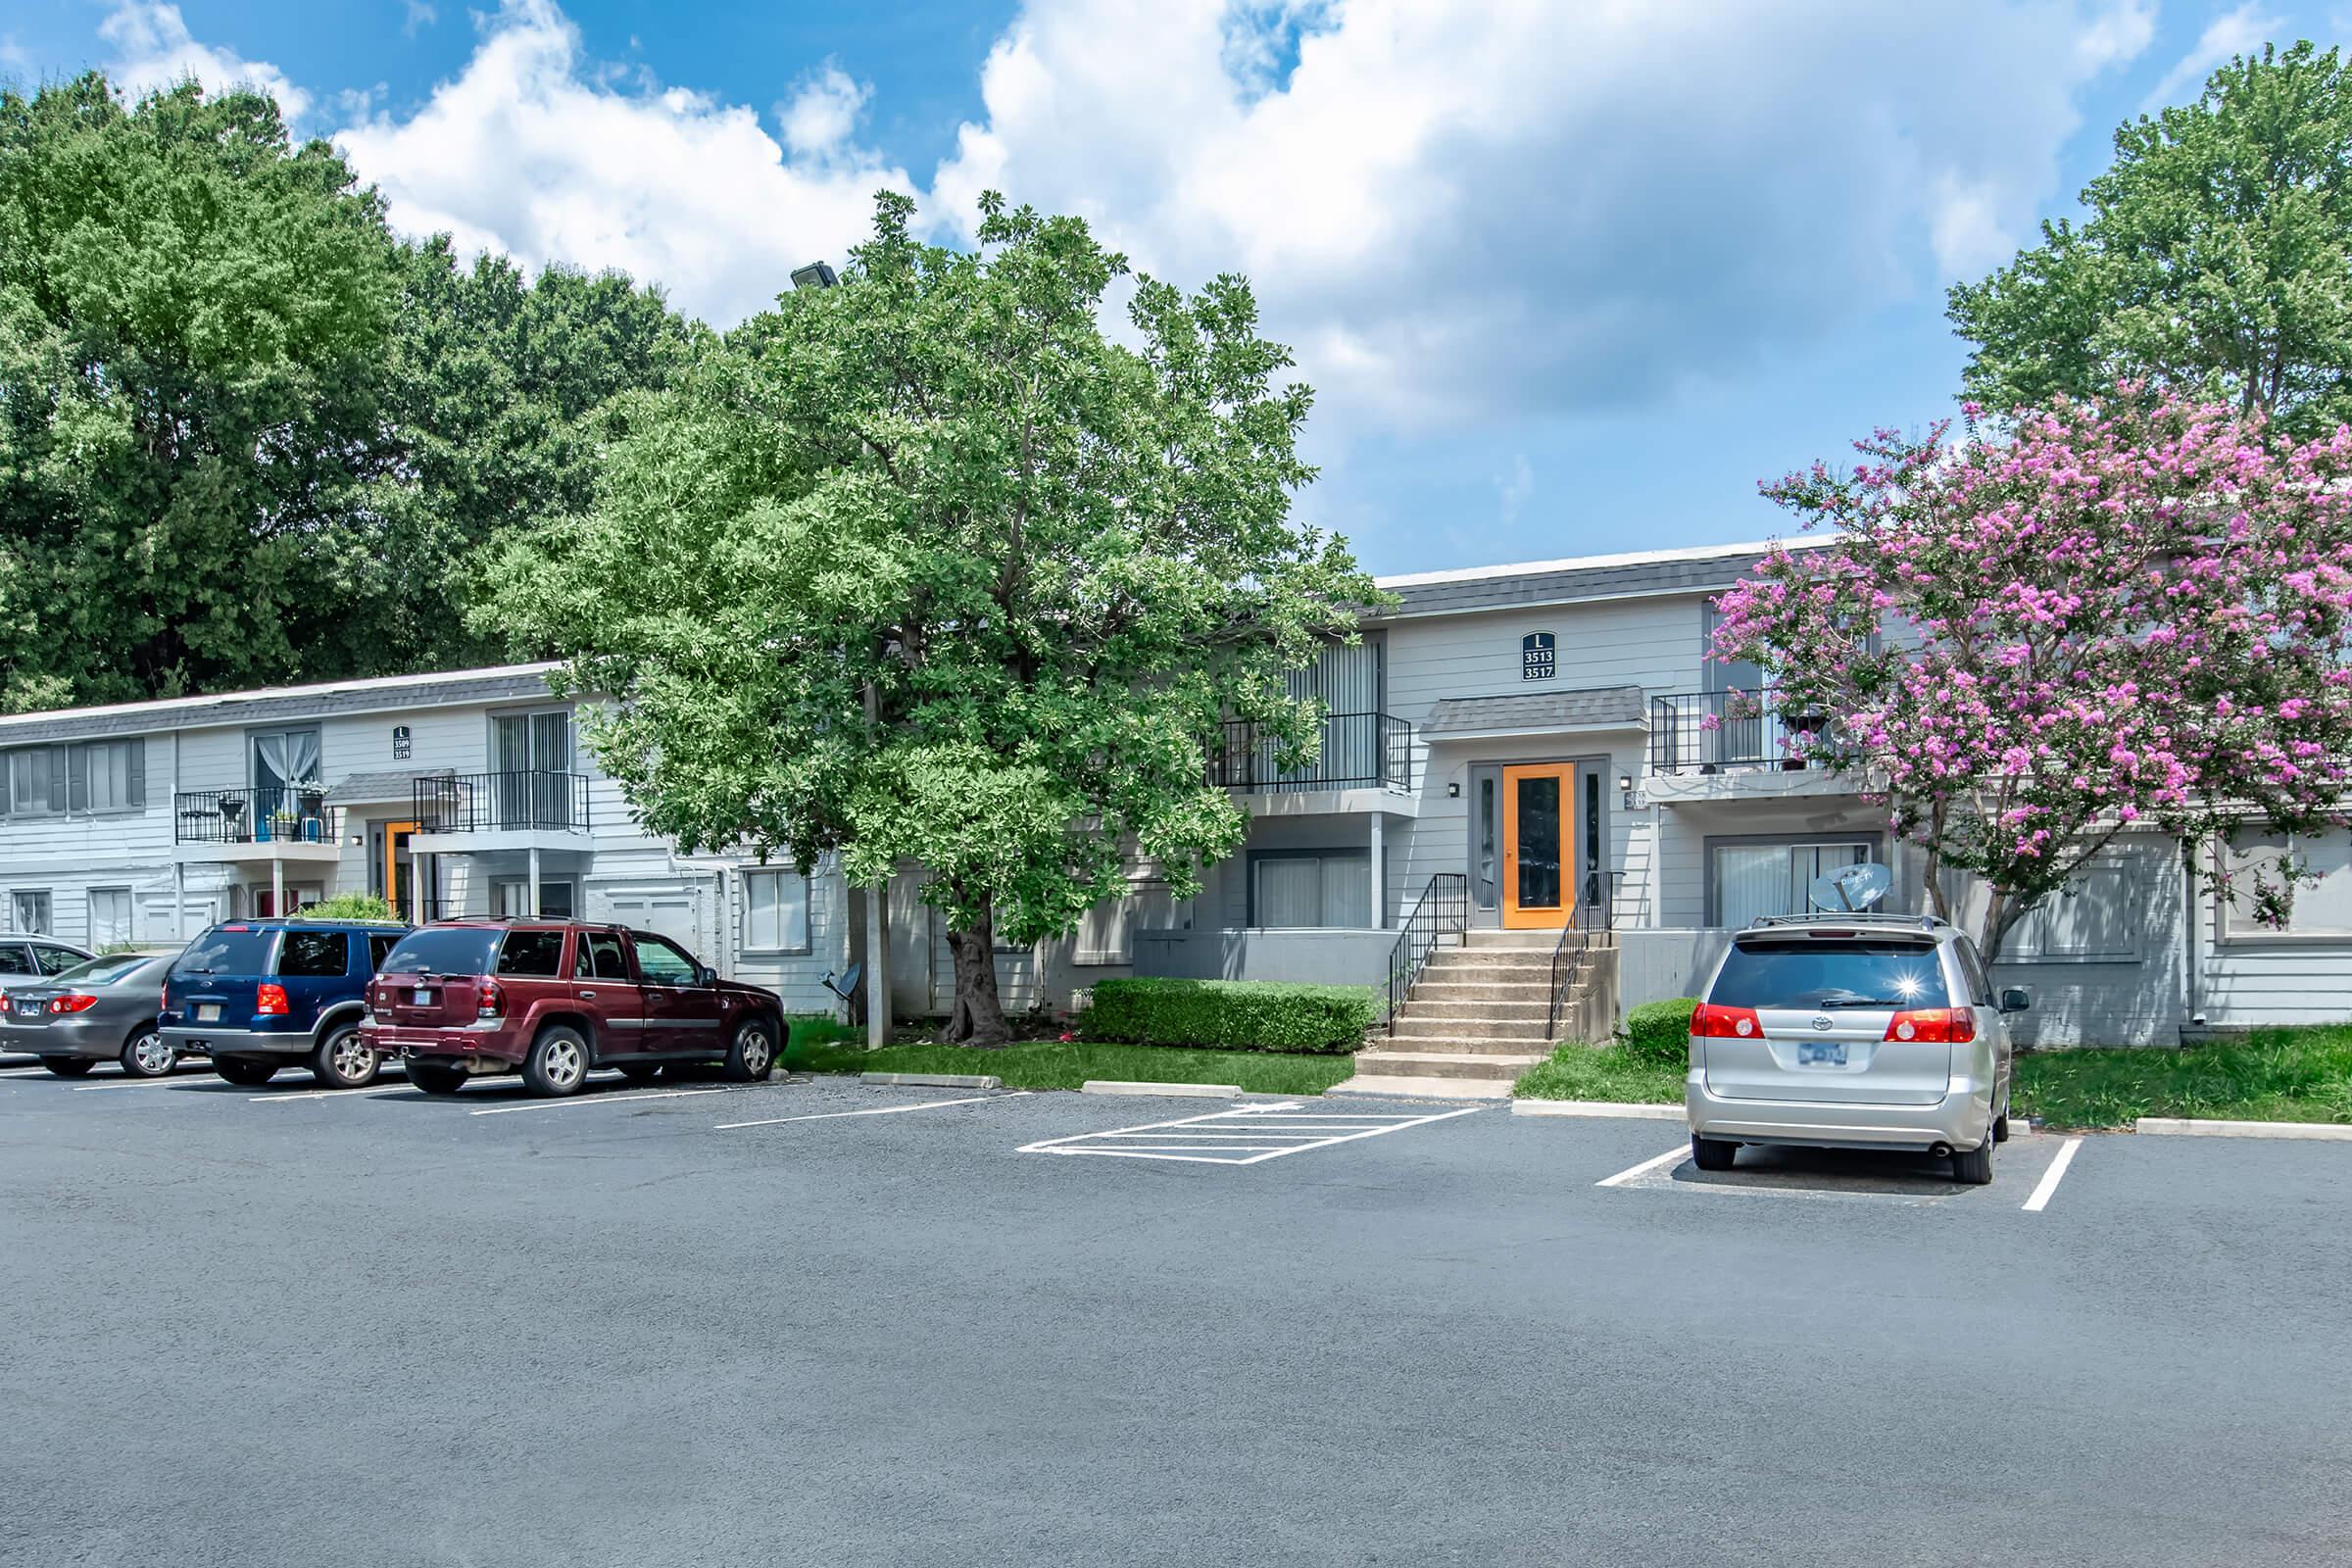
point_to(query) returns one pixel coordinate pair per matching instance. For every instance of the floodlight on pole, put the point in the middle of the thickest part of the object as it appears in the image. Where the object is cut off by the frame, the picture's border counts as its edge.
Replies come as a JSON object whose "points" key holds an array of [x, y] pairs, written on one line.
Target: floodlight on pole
{"points": [[817, 274]]}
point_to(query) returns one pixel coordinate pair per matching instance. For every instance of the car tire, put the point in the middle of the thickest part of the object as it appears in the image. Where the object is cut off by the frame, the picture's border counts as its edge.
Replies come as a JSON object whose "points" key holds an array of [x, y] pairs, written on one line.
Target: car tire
{"points": [[559, 1061], [69, 1066], [751, 1051], [2000, 1128], [245, 1071], [1713, 1153], [145, 1054], [1973, 1167], [343, 1060], [436, 1079], [640, 1072]]}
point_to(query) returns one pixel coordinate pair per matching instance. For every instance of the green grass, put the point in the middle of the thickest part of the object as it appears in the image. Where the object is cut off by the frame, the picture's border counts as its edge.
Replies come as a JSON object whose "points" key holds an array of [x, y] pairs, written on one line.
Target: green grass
{"points": [[2272, 1076], [821, 1046], [1601, 1072]]}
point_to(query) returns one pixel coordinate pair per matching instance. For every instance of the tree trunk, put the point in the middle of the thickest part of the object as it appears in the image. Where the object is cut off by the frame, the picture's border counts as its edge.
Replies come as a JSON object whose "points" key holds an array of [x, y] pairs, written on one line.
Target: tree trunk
{"points": [[977, 1015], [2000, 913]]}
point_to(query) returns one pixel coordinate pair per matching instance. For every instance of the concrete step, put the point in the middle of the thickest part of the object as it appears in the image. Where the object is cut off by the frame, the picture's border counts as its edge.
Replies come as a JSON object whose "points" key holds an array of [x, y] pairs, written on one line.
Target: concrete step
{"points": [[1490, 1065], [1535, 1004], [1423, 1088], [1412, 1026], [1538, 990], [1488, 961], [1489, 937]]}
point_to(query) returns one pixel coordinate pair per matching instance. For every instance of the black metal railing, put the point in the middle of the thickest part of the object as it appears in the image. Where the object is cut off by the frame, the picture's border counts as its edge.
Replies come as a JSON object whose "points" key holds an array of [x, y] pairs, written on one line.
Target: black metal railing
{"points": [[277, 814], [1596, 913], [1358, 751], [1442, 910], [487, 803], [1720, 733]]}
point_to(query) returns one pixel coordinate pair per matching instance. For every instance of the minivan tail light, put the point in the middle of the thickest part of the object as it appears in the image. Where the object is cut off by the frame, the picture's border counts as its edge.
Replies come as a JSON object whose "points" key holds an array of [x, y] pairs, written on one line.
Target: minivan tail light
{"points": [[270, 1001], [1709, 1021], [1934, 1026], [491, 1001], [72, 1004]]}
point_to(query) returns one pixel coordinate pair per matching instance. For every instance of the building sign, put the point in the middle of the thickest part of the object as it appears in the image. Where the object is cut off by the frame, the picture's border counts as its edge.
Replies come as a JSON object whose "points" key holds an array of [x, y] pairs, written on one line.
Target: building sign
{"points": [[400, 742], [1536, 656]]}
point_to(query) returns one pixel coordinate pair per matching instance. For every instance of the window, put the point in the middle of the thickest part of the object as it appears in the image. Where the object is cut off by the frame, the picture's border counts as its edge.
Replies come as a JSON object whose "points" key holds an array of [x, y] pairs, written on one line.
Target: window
{"points": [[1746, 881], [314, 954], [662, 963], [776, 912], [1320, 888], [1971, 971], [285, 759], [379, 947], [442, 950], [1779, 971], [30, 910], [511, 899], [16, 958], [532, 954], [107, 776], [35, 780], [1486, 832], [600, 957], [531, 755], [2322, 909], [225, 950], [110, 917]]}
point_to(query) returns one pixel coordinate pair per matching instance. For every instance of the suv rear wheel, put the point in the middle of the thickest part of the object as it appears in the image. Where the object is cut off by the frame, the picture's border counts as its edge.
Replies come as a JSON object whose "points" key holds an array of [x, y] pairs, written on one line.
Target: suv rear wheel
{"points": [[433, 1078], [343, 1060], [68, 1066], [753, 1052], [245, 1071], [1973, 1167], [1712, 1153], [558, 1062]]}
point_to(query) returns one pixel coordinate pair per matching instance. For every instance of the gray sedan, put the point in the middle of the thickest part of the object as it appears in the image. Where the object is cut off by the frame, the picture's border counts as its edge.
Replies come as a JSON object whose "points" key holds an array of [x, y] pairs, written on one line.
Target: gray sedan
{"points": [[101, 1011]]}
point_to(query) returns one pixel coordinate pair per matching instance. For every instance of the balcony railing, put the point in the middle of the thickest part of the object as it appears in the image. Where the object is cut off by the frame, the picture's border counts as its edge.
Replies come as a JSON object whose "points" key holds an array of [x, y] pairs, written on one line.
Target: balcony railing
{"points": [[491, 803], [1724, 732], [1361, 751], [279, 814]]}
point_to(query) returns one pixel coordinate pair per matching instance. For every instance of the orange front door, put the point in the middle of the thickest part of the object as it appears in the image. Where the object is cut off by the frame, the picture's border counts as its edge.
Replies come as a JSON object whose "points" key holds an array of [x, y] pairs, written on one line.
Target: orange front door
{"points": [[1539, 808], [399, 867]]}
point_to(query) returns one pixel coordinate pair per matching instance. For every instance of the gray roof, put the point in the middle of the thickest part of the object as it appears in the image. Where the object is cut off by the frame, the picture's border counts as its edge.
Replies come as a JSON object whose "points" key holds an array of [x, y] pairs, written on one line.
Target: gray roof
{"points": [[1535, 713], [1558, 582], [516, 683], [369, 789]]}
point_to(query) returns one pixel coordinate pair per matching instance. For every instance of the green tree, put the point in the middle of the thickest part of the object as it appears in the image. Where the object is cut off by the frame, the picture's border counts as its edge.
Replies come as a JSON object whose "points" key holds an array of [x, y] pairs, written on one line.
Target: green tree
{"points": [[2216, 260], [192, 311], [927, 568]]}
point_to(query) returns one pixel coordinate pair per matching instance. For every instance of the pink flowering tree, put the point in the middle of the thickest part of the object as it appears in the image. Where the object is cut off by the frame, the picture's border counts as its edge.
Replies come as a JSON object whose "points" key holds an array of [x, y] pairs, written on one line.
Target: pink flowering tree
{"points": [[2130, 611]]}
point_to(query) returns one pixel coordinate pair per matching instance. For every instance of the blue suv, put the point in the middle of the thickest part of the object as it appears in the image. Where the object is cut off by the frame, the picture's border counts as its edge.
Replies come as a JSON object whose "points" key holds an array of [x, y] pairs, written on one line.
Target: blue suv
{"points": [[259, 995]]}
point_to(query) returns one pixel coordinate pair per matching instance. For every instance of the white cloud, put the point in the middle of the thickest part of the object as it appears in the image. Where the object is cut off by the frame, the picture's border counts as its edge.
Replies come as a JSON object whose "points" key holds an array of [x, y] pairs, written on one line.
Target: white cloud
{"points": [[12, 52], [420, 14], [2233, 33], [536, 151], [1513, 490], [820, 117], [1523, 206], [153, 49]]}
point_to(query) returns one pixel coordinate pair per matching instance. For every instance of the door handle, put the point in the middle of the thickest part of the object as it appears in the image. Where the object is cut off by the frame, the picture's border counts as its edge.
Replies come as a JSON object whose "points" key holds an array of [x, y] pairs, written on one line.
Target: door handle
{"points": [[587, 996]]}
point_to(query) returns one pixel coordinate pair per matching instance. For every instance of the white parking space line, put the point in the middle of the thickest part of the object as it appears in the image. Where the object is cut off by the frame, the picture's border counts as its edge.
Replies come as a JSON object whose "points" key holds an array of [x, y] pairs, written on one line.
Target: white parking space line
{"points": [[1246, 1136], [24, 1072], [174, 1081], [573, 1104], [1636, 1172], [876, 1111], [2051, 1177], [333, 1093]]}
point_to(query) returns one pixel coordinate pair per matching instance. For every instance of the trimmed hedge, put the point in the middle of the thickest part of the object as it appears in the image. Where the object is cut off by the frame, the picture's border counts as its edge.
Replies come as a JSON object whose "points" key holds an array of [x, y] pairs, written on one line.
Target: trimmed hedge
{"points": [[1234, 1014], [1660, 1031]]}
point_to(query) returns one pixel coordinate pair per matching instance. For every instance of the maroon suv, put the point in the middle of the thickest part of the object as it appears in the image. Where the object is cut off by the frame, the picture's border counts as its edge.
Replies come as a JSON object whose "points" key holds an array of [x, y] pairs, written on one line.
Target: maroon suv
{"points": [[555, 998]]}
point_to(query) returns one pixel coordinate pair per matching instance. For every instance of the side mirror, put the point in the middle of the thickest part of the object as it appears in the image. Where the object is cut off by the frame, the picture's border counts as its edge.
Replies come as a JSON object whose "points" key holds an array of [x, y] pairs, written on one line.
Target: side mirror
{"points": [[707, 976], [2016, 999]]}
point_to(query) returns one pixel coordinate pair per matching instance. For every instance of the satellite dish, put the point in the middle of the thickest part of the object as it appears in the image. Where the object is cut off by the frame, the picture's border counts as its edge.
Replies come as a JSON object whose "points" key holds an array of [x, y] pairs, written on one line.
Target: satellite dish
{"points": [[1851, 889]]}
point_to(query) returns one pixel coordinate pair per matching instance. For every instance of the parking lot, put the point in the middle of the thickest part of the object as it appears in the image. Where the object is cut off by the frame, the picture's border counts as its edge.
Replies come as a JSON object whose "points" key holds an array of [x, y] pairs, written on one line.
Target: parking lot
{"points": [[817, 1322]]}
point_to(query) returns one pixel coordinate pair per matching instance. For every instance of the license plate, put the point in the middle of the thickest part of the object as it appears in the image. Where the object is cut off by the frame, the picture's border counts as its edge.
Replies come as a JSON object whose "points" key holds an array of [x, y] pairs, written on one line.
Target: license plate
{"points": [[420, 997], [1822, 1053], [207, 1012], [28, 1009]]}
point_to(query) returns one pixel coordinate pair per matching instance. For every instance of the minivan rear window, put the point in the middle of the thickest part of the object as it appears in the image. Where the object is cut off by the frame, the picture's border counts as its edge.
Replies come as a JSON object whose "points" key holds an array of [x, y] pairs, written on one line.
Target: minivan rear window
{"points": [[450, 949], [227, 949], [1796, 971]]}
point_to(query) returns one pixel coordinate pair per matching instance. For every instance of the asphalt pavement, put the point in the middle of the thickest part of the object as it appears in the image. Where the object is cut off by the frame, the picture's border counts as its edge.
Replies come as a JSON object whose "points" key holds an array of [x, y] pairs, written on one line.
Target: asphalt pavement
{"points": [[813, 1322]]}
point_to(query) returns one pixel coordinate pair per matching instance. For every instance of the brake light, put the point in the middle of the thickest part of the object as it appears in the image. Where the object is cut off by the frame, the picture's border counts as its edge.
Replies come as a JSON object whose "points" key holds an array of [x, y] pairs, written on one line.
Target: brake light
{"points": [[270, 1001], [72, 1004], [1711, 1022], [1934, 1026], [491, 1000]]}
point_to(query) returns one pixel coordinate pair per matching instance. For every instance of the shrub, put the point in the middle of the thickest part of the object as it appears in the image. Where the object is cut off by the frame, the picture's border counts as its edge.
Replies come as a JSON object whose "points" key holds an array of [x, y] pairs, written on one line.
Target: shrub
{"points": [[1237, 1015], [350, 906], [1660, 1031]]}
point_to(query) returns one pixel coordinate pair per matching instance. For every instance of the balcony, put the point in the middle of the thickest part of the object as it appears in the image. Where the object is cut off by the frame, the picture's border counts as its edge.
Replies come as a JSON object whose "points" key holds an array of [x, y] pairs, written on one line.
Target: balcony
{"points": [[523, 802], [1720, 745], [1359, 752], [286, 823]]}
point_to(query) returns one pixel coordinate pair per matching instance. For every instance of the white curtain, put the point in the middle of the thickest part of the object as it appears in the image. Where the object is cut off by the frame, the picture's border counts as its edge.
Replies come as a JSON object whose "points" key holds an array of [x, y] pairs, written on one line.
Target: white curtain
{"points": [[1346, 892], [286, 760], [1750, 880], [1290, 892]]}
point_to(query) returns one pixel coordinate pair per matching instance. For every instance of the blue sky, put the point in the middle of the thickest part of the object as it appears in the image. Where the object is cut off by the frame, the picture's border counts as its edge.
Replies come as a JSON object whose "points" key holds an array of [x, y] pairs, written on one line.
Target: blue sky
{"points": [[1567, 279]]}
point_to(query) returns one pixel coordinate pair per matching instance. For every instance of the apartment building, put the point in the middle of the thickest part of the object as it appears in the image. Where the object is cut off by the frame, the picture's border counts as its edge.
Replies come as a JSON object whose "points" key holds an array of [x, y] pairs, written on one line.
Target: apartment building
{"points": [[1543, 746]]}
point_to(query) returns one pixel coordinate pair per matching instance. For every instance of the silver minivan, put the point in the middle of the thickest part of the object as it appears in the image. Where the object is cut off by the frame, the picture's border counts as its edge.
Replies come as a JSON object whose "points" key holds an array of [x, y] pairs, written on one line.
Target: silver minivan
{"points": [[1852, 1031]]}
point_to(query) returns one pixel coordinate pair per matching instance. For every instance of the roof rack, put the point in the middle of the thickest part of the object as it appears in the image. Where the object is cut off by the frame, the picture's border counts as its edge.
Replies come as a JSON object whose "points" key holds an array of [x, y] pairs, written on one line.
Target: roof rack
{"points": [[1909, 923]]}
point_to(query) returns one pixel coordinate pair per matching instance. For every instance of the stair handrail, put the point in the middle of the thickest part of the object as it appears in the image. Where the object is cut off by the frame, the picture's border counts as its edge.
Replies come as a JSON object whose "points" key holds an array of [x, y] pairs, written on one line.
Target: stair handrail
{"points": [[1443, 908], [1594, 912]]}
